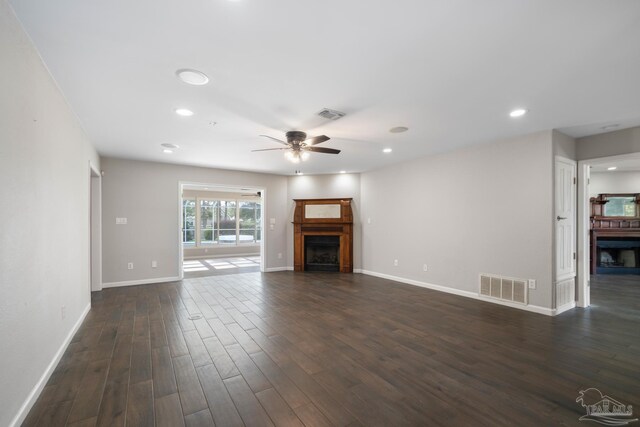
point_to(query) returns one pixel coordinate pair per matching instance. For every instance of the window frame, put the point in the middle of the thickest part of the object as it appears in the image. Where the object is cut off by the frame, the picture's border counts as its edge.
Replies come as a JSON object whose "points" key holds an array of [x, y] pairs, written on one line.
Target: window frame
{"points": [[216, 230]]}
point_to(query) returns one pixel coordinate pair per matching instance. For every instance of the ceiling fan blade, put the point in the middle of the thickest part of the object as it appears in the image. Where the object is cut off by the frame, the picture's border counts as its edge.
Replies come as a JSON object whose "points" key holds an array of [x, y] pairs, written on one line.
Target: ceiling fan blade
{"points": [[270, 149], [316, 140], [321, 150], [276, 139]]}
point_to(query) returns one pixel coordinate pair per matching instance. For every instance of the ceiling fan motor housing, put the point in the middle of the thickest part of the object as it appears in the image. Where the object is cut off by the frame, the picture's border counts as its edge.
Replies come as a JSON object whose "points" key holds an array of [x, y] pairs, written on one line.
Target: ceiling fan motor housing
{"points": [[296, 137]]}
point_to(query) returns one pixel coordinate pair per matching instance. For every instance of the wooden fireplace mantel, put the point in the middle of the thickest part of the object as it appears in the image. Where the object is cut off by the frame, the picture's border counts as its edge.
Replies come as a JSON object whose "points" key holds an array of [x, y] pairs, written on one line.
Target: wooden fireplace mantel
{"points": [[323, 217]]}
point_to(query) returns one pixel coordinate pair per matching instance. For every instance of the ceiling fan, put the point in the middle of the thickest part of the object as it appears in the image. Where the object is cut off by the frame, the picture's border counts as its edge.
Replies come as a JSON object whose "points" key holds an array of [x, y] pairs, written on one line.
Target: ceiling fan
{"points": [[298, 146]]}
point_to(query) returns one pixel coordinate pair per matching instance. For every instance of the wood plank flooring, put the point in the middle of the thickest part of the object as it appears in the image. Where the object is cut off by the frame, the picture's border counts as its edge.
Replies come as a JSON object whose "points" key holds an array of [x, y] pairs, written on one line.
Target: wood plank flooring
{"points": [[294, 349]]}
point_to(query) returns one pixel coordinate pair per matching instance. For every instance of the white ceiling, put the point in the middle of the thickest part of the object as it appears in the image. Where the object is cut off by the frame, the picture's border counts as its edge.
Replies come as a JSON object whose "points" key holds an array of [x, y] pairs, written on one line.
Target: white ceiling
{"points": [[450, 70]]}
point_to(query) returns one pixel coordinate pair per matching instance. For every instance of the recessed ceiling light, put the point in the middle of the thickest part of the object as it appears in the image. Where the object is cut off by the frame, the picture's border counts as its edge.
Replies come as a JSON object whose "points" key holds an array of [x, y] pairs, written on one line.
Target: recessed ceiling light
{"points": [[612, 168], [192, 77], [399, 129], [343, 171], [171, 146], [184, 112], [609, 127], [518, 112], [387, 150], [167, 151]]}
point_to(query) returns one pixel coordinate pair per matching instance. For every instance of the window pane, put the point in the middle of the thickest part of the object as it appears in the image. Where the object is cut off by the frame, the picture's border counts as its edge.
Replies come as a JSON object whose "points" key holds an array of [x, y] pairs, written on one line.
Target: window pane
{"points": [[620, 206], [249, 222], [207, 221], [225, 228], [189, 226]]}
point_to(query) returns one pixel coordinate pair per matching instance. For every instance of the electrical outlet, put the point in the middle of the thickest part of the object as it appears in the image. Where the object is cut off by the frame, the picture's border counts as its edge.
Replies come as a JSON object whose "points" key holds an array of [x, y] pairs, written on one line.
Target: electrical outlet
{"points": [[279, 255], [130, 266], [395, 262], [368, 220], [154, 264], [532, 283], [63, 312], [424, 267]]}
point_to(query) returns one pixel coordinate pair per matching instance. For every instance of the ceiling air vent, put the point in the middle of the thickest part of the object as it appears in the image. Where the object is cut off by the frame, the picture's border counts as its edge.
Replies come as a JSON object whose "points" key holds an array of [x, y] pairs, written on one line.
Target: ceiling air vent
{"points": [[331, 114]]}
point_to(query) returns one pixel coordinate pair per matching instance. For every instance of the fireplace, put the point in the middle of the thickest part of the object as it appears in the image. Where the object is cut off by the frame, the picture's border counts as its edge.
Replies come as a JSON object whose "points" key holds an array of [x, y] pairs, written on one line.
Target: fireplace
{"points": [[618, 255], [323, 235], [321, 253]]}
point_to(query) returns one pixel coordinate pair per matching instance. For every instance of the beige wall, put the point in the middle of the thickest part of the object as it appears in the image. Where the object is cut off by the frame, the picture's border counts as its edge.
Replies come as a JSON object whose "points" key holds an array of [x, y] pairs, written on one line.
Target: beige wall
{"points": [[147, 195], [614, 182], [326, 187], [564, 145], [485, 209], [608, 144], [44, 242]]}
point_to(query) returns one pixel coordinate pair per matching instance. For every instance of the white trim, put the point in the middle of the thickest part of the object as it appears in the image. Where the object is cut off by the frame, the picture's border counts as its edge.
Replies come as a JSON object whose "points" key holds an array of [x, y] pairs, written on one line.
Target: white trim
{"points": [[274, 269], [459, 292], [95, 239], [140, 282], [584, 211], [583, 267], [37, 389], [220, 256], [566, 307], [263, 203]]}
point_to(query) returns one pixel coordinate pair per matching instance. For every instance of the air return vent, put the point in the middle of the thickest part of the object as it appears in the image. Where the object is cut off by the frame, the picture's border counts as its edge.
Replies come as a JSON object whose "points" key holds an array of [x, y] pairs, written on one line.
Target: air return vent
{"points": [[504, 288], [331, 114]]}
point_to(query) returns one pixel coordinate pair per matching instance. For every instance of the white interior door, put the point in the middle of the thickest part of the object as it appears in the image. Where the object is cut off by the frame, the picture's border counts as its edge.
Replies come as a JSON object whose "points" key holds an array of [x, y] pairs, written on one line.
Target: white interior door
{"points": [[565, 219]]}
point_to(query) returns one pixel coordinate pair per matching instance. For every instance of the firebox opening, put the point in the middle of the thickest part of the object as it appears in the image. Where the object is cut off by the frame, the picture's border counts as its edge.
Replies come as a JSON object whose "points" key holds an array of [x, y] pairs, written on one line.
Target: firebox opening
{"points": [[322, 253]]}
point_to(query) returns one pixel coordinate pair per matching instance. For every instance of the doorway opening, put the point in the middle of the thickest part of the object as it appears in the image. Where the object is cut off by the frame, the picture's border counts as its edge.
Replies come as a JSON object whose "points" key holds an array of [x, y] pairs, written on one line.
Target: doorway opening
{"points": [[608, 227], [221, 229]]}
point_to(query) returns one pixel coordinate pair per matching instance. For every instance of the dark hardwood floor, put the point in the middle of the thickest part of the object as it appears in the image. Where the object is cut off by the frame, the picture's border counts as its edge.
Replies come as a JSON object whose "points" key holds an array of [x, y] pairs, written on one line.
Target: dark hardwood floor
{"points": [[295, 349]]}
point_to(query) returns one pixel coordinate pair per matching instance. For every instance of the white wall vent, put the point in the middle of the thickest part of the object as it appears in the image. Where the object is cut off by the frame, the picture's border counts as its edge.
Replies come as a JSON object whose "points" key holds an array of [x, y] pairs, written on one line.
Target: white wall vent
{"points": [[504, 288], [331, 114]]}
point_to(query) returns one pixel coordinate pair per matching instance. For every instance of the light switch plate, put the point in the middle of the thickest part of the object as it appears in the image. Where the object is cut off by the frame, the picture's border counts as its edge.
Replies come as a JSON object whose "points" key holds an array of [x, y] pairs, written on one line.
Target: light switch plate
{"points": [[121, 221]]}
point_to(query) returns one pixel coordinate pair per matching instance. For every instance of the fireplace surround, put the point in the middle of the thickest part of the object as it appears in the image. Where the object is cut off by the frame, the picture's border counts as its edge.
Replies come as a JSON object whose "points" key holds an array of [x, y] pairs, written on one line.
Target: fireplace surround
{"points": [[323, 235]]}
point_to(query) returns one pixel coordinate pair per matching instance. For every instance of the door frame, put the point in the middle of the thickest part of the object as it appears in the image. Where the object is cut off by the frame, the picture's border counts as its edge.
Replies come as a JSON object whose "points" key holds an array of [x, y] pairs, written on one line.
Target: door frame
{"points": [[239, 188], [95, 229], [584, 212]]}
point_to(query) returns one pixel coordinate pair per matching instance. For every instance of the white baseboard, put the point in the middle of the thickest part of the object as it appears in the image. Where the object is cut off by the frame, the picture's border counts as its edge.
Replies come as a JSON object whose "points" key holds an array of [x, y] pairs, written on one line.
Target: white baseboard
{"points": [[468, 294], [140, 282], [37, 389], [273, 269], [212, 256], [564, 308]]}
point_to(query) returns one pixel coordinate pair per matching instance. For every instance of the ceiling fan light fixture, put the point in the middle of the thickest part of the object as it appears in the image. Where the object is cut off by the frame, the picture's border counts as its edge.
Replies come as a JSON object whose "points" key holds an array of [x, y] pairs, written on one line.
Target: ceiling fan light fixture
{"points": [[292, 157], [304, 156]]}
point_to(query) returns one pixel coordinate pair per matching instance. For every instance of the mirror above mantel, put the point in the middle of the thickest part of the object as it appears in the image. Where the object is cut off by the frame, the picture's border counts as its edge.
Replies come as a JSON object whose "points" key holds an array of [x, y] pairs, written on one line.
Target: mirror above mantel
{"points": [[616, 205]]}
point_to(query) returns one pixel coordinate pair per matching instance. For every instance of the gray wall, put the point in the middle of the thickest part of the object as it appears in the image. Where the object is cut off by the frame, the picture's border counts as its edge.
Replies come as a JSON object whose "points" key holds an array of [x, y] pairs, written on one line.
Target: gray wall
{"points": [[623, 141], [614, 182], [147, 195], [326, 187], [44, 242], [485, 209], [564, 145]]}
